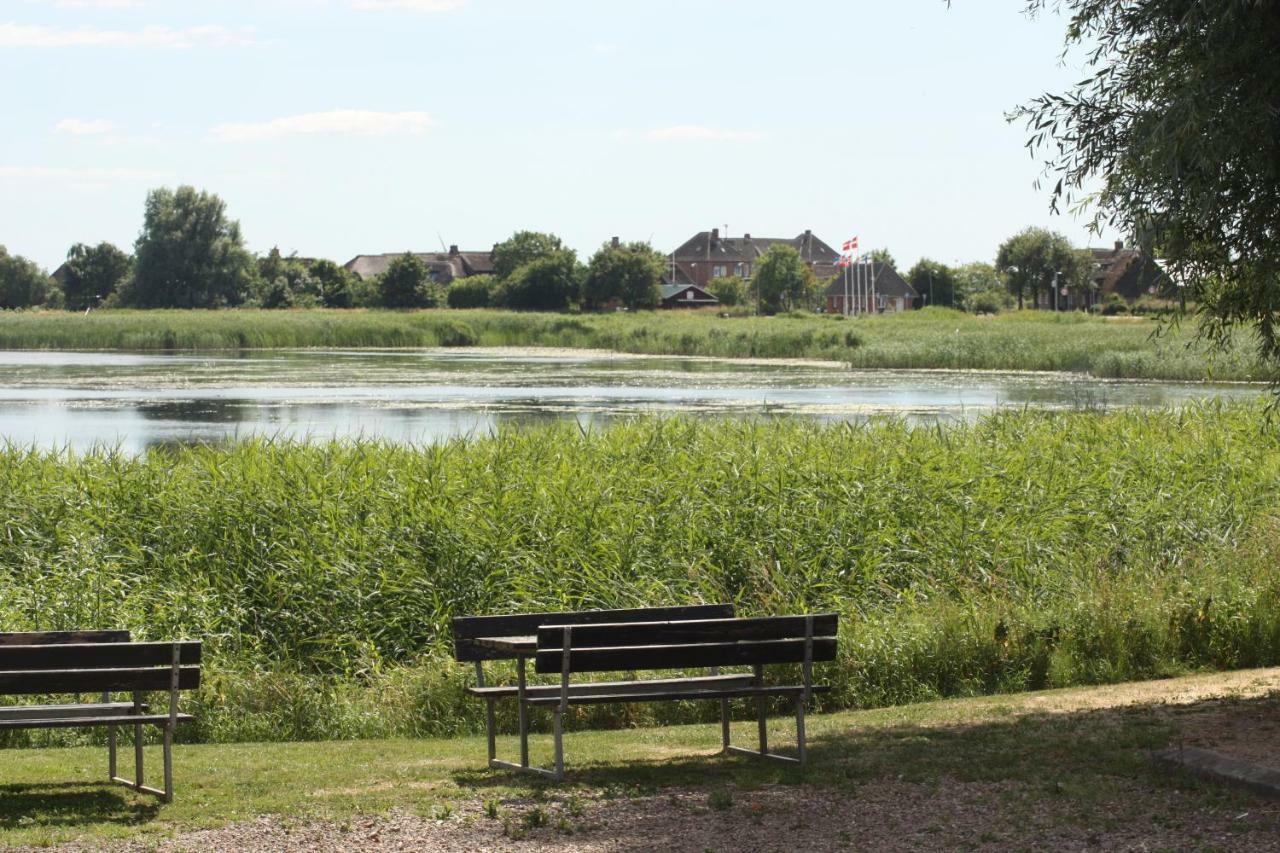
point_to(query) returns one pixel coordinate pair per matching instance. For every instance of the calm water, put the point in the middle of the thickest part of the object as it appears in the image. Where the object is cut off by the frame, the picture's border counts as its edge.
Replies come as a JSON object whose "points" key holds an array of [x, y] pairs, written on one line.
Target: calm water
{"points": [[85, 399]]}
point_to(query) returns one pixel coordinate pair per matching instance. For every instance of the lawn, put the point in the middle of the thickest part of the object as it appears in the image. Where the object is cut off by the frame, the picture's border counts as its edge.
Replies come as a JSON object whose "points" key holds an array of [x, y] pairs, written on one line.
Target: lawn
{"points": [[1071, 765]]}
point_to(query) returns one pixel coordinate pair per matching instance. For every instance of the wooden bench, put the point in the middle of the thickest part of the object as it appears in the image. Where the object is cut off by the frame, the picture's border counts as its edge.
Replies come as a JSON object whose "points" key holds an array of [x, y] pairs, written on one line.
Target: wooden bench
{"points": [[513, 637], [714, 643], [98, 662]]}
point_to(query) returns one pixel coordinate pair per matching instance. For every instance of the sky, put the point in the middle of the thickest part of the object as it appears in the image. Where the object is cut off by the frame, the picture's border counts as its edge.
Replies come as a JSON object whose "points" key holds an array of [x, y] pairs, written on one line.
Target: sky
{"points": [[333, 128]]}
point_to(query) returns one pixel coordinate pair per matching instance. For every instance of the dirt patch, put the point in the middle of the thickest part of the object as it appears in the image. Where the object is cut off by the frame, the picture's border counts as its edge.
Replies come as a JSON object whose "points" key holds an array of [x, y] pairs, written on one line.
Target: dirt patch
{"points": [[885, 815], [1249, 731]]}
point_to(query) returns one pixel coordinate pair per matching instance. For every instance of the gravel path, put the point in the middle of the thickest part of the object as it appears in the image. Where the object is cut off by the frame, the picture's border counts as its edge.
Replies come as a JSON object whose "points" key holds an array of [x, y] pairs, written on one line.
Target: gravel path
{"points": [[882, 816]]}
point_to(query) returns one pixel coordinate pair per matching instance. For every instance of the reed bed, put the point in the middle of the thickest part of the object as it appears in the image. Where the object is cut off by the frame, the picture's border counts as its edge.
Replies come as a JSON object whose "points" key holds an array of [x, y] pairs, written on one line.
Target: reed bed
{"points": [[933, 338], [1026, 550]]}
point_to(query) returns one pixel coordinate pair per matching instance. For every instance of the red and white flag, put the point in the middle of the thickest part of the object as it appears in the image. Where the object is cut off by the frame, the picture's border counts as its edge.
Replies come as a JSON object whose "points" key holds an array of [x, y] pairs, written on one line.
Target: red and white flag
{"points": [[851, 244]]}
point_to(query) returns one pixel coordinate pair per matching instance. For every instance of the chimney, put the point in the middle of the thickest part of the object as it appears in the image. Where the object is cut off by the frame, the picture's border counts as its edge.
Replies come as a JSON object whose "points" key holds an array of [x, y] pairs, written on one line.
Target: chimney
{"points": [[453, 249], [746, 236], [1119, 245], [715, 234], [616, 243]]}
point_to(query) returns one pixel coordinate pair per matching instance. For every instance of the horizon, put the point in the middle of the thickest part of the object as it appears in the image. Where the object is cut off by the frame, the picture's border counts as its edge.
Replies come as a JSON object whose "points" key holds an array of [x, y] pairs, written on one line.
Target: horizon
{"points": [[336, 128]]}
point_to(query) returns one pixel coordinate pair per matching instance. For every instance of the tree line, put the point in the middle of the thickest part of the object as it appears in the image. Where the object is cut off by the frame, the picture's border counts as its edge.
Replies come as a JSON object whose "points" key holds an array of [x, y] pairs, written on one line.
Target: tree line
{"points": [[190, 254]]}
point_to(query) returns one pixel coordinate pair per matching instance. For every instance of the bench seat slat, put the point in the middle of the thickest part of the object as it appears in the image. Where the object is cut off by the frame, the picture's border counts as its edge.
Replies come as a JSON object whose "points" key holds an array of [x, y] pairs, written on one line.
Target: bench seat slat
{"points": [[41, 638], [658, 633], [669, 684], [466, 628], [663, 696], [85, 722], [95, 655], [619, 658], [95, 680], [78, 709]]}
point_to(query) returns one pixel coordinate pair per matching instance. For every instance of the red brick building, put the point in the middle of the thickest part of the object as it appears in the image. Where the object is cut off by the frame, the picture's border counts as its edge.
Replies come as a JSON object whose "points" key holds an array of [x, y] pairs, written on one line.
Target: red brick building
{"points": [[707, 256]]}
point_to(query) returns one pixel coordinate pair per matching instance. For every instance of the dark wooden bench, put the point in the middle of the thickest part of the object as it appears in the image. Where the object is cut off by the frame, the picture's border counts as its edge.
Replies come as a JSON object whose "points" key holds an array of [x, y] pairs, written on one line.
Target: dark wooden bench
{"points": [[98, 663], [566, 649], [513, 637]]}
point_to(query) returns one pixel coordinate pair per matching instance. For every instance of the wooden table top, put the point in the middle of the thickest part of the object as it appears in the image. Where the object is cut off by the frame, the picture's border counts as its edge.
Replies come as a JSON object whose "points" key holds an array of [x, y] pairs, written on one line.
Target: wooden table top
{"points": [[523, 645]]}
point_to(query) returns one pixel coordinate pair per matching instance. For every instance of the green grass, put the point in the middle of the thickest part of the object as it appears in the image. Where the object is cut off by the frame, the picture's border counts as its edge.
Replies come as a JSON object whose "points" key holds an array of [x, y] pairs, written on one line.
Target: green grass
{"points": [[1027, 550], [54, 795], [934, 338]]}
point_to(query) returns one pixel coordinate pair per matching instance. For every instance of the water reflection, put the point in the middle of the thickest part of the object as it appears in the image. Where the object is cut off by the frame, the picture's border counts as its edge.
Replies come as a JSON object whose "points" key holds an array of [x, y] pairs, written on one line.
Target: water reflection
{"points": [[135, 401]]}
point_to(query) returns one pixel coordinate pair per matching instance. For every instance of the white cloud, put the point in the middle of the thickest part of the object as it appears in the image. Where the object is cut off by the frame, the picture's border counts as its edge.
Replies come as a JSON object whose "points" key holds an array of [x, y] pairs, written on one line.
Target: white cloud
{"points": [[36, 35], [416, 5], [84, 127], [359, 122], [701, 133], [90, 176]]}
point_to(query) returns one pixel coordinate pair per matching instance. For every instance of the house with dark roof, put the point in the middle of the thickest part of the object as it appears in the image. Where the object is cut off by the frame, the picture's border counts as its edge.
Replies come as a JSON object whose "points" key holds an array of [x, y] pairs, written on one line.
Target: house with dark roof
{"points": [[707, 256], [869, 287], [687, 296], [1129, 273], [444, 267]]}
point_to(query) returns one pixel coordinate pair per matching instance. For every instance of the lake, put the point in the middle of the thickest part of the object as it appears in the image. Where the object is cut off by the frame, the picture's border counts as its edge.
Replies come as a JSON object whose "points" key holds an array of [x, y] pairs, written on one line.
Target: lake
{"points": [[79, 400]]}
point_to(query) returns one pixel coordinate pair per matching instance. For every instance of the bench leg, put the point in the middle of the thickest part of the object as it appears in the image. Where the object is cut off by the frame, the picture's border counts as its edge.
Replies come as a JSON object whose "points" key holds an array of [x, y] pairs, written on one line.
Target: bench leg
{"points": [[489, 724], [724, 724], [111, 752], [559, 737], [523, 712], [762, 707], [168, 764], [800, 729], [137, 756]]}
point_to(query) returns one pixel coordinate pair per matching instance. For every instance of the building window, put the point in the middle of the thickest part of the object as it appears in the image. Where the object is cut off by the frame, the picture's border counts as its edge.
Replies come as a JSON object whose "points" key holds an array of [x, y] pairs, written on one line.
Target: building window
{"points": [[719, 271]]}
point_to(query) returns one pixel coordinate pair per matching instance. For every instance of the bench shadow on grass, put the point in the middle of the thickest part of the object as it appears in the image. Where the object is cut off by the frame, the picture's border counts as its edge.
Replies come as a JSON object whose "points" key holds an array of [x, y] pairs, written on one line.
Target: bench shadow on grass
{"points": [[65, 804], [1077, 748]]}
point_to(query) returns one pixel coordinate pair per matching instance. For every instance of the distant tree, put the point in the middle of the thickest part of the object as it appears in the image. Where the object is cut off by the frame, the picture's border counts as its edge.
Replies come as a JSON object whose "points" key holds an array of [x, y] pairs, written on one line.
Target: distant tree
{"points": [[730, 290], [934, 280], [1034, 260], [630, 273], [92, 273], [333, 284], [189, 254], [472, 292], [882, 256], [980, 289], [549, 283], [522, 248], [407, 284], [782, 279], [22, 283]]}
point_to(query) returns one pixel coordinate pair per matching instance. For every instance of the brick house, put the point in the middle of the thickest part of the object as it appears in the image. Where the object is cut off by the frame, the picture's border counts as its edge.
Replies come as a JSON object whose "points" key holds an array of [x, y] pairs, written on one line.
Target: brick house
{"points": [[707, 256], [444, 267]]}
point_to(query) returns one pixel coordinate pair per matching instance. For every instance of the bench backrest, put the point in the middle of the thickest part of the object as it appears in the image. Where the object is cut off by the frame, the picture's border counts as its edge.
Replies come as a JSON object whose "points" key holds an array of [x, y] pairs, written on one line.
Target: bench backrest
{"points": [[44, 638], [90, 667], [682, 644], [467, 628]]}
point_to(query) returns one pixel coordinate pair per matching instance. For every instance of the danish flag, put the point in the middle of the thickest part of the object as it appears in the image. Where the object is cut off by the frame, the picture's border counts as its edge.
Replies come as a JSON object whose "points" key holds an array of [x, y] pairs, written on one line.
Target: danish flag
{"points": [[844, 261], [851, 244]]}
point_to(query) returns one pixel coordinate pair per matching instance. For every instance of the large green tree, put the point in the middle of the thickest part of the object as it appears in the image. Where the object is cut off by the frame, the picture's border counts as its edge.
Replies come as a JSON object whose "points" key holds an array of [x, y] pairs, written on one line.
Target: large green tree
{"points": [[407, 284], [935, 280], [980, 289], [1034, 260], [782, 279], [1174, 137], [629, 272], [522, 248], [189, 254], [22, 283], [93, 273], [549, 283]]}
